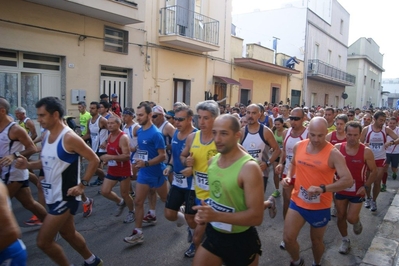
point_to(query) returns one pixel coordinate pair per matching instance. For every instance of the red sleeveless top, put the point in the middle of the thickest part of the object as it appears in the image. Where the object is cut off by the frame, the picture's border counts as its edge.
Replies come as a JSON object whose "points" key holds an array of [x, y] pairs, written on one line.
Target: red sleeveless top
{"points": [[119, 169]]}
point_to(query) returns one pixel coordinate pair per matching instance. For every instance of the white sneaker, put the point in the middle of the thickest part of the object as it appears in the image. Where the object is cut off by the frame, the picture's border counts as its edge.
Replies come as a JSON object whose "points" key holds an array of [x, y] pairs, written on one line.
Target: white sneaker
{"points": [[358, 228], [135, 238], [345, 247], [129, 218], [373, 207], [367, 203], [333, 212], [282, 245], [181, 220]]}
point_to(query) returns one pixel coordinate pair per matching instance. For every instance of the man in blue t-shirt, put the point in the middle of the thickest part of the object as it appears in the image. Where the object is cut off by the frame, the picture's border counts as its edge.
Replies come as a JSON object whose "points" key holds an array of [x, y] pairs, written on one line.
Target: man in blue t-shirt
{"points": [[150, 156]]}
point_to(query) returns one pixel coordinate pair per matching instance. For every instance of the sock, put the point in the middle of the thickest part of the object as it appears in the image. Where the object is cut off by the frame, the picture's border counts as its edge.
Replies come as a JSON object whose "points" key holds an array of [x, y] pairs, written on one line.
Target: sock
{"points": [[152, 213], [139, 230], [345, 238], [91, 259], [121, 203], [384, 178], [87, 201], [297, 262]]}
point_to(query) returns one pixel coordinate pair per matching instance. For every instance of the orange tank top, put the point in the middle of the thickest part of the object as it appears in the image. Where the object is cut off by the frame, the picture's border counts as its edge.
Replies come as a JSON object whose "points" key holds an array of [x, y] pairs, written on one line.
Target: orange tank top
{"points": [[312, 170]]}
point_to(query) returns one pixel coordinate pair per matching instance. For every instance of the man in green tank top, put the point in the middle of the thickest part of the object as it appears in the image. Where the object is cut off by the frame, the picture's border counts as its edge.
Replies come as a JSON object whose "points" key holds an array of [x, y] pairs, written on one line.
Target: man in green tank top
{"points": [[235, 205]]}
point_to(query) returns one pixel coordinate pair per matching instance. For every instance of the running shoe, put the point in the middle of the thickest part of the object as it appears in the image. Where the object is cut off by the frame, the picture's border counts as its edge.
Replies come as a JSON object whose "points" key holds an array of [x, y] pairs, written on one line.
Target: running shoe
{"points": [[367, 203], [301, 263], [189, 235], [190, 252], [149, 219], [383, 187], [96, 262], [394, 176], [33, 221], [129, 218], [181, 220], [120, 209], [272, 209], [135, 238], [358, 228], [96, 182], [282, 245], [276, 193], [314, 264], [88, 208], [333, 212], [345, 247], [373, 207]]}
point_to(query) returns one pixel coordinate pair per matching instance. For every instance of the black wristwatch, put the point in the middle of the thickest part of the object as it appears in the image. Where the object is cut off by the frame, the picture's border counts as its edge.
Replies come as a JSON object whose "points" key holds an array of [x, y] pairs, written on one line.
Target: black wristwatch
{"points": [[146, 164], [17, 155], [323, 187], [84, 183], [366, 187]]}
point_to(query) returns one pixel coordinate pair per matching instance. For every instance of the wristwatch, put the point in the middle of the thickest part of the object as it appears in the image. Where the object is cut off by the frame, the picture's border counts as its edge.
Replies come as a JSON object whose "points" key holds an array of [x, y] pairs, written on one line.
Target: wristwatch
{"points": [[323, 187], [268, 163], [146, 164], [17, 155], [84, 183]]}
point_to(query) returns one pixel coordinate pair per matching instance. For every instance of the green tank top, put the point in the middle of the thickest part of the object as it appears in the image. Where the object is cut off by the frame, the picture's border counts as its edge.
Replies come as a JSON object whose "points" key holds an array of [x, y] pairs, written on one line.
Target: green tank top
{"points": [[279, 139], [225, 194]]}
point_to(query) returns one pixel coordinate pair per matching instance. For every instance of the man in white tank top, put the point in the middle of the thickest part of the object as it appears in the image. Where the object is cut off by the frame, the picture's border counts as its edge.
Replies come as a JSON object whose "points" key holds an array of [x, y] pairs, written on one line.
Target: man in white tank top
{"points": [[62, 183], [98, 133], [375, 137], [295, 133], [14, 143]]}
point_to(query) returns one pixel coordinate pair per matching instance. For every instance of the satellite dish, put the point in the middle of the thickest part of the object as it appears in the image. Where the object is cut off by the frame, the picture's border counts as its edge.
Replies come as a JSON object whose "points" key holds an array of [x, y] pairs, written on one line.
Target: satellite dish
{"points": [[344, 95]]}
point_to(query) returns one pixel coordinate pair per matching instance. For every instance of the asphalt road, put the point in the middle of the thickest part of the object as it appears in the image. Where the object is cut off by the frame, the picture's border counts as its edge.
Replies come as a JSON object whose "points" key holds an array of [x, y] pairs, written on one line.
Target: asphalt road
{"points": [[165, 243]]}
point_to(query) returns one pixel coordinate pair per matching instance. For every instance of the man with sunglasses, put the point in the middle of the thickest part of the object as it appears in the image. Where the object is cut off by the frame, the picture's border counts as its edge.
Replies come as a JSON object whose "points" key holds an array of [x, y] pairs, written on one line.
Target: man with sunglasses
{"points": [[348, 202], [295, 133], [182, 189], [351, 115]]}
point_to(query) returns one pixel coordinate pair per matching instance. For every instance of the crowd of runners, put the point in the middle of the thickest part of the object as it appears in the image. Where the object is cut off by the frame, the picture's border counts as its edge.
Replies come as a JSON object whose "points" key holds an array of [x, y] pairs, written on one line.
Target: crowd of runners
{"points": [[209, 164]]}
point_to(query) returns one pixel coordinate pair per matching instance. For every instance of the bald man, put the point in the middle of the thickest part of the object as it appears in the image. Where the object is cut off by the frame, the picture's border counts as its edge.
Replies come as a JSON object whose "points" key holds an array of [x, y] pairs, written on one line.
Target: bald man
{"points": [[314, 163]]}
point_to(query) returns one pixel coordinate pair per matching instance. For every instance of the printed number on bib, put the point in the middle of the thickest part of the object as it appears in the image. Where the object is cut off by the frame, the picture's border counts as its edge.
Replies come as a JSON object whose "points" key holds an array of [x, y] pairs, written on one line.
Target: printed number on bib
{"points": [[202, 180], [47, 191], [179, 180], [304, 195], [141, 155]]}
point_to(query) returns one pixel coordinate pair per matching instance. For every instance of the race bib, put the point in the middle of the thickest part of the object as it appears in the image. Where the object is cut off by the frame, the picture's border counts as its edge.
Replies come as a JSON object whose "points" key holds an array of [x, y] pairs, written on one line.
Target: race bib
{"points": [[220, 208], [47, 191], [304, 195], [112, 163], [376, 146], [352, 188], [202, 180], [141, 155], [179, 180], [254, 153]]}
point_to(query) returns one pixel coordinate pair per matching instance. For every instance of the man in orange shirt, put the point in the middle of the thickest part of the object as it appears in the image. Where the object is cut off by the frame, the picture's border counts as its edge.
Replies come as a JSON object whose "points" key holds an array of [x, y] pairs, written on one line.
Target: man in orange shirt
{"points": [[314, 163]]}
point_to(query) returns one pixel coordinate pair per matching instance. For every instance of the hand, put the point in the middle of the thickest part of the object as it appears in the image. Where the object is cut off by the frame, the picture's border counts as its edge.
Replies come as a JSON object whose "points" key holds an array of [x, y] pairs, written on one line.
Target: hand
{"points": [[286, 182], [7, 160], [190, 160], [140, 164], [387, 144], [205, 213], [262, 165], [75, 191], [166, 171], [361, 191], [188, 171], [105, 158], [279, 169], [103, 145], [21, 163], [314, 190]]}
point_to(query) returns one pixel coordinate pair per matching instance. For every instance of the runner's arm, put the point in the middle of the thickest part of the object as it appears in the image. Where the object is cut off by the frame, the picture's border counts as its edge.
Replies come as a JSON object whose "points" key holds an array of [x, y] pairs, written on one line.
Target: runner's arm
{"points": [[10, 231], [32, 129]]}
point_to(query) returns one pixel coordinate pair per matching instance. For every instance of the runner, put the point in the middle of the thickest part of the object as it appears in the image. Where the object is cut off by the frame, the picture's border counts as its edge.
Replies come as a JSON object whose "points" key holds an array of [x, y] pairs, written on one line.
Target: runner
{"points": [[279, 132], [235, 203], [119, 168], [149, 159], [329, 115], [62, 184], [25, 122], [348, 202], [182, 189], [392, 155], [314, 163]]}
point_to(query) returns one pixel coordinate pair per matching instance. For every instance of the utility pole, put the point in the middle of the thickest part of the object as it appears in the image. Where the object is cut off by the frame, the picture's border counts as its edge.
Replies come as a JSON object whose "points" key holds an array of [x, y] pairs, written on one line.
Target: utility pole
{"points": [[275, 39]]}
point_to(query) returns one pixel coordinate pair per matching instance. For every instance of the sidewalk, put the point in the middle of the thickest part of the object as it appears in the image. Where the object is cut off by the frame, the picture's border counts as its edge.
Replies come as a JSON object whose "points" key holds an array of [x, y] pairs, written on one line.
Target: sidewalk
{"points": [[383, 250]]}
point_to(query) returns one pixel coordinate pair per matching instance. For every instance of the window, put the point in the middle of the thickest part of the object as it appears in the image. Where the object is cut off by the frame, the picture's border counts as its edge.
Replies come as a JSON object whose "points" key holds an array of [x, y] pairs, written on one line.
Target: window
{"points": [[339, 61], [312, 99], [316, 51], [182, 91], [341, 27], [329, 57], [365, 80], [220, 90], [116, 40]]}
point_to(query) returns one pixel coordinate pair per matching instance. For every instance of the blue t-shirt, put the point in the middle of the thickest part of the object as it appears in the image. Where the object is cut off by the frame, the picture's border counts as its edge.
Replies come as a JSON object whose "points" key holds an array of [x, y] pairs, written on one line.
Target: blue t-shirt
{"points": [[149, 142], [177, 148]]}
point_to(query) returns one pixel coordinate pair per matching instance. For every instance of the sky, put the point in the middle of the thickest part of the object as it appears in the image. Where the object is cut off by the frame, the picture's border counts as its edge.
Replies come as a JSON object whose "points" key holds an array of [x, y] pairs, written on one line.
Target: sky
{"points": [[368, 18]]}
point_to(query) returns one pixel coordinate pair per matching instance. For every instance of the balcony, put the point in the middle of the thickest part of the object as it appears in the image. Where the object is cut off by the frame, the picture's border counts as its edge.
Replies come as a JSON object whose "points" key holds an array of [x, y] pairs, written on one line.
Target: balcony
{"points": [[185, 28], [122, 12], [327, 73]]}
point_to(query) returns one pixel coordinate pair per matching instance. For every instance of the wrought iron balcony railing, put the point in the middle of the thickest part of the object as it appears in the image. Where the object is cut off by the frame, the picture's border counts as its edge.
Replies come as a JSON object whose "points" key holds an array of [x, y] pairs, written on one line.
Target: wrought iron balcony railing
{"points": [[176, 20], [319, 68]]}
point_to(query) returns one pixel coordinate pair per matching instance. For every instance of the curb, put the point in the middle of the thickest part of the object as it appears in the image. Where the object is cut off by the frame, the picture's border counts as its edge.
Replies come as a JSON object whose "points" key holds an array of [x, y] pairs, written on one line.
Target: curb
{"points": [[384, 248]]}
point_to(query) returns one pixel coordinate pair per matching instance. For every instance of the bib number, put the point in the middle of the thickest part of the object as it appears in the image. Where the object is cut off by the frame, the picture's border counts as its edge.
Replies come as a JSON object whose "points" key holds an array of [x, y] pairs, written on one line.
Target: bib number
{"points": [[220, 208], [304, 195], [141, 155], [179, 180], [47, 191], [202, 180]]}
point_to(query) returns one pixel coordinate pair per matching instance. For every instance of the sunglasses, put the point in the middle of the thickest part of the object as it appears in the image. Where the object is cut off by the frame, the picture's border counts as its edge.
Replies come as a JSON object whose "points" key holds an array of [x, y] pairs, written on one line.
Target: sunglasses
{"points": [[154, 116], [350, 115], [180, 119], [295, 118], [168, 117]]}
